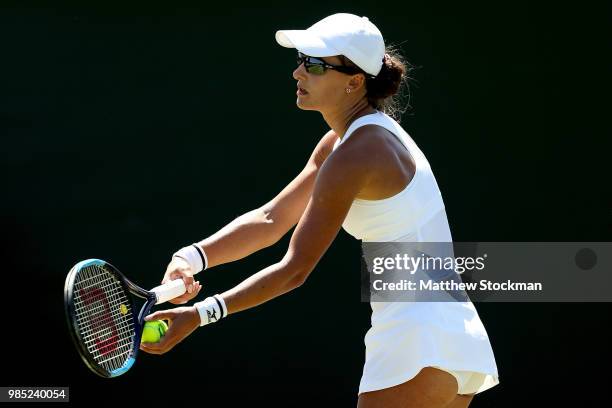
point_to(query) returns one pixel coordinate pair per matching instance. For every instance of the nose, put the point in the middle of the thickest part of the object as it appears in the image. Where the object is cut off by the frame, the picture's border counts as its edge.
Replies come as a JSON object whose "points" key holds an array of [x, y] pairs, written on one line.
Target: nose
{"points": [[299, 72]]}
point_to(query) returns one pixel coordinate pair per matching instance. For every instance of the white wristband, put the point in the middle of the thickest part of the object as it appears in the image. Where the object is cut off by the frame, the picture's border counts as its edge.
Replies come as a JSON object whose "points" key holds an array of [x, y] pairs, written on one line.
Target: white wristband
{"points": [[211, 310], [195, 257]]}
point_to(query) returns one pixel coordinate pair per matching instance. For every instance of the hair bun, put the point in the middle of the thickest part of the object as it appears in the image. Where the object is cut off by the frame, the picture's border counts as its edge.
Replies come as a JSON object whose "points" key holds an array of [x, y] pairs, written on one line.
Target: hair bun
{"points": [[388, 80], [383, 90]]}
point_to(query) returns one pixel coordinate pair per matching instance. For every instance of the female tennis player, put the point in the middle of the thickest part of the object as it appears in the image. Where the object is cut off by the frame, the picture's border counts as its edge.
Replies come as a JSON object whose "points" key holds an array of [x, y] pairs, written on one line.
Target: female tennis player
{"points": [[367, 175]]}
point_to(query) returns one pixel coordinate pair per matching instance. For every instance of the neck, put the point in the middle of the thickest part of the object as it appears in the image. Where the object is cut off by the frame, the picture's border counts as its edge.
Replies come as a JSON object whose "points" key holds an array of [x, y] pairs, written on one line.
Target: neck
{"points": [[339, 121]]}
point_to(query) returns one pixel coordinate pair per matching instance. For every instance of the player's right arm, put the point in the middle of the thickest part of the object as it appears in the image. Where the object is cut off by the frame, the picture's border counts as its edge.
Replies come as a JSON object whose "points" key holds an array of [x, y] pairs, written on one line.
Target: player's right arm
{"points": [[258, 228]]}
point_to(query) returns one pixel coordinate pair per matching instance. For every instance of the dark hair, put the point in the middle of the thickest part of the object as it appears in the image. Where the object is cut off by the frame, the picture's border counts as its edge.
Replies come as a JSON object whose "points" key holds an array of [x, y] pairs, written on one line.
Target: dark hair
{"points": [[385, 90]]}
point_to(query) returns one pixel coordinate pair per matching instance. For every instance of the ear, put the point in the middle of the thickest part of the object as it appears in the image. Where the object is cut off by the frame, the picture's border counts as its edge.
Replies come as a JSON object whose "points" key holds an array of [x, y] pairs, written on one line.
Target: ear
{"points": [[356, 82]]}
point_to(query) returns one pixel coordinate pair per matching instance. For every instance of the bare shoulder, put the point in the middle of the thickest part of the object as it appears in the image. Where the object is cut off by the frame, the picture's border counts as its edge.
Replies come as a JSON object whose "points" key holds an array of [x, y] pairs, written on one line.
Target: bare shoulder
{"points": [[342, 176], [324, 148], [357, 157], [330, 137], [376, 159], [366, 146]]}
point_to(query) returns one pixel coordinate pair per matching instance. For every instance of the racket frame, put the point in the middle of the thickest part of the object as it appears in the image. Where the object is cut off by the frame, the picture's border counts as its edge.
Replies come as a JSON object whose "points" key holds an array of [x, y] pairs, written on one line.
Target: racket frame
{"points": [[138, 319]]}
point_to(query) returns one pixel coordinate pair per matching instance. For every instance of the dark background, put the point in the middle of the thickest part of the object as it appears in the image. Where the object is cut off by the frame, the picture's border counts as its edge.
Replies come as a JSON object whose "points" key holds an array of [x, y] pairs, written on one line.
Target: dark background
{"points": [[130, 130]]}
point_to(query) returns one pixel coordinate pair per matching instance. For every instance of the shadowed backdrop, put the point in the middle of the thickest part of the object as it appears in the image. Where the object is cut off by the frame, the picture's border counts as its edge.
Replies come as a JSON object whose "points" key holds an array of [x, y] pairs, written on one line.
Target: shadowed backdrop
{"points": [[130, 130]]}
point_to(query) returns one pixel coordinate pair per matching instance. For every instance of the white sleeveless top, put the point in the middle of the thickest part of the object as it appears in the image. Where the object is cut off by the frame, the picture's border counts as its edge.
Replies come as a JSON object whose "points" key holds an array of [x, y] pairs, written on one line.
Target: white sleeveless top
{"points": [[407, 336], [414, 214]]}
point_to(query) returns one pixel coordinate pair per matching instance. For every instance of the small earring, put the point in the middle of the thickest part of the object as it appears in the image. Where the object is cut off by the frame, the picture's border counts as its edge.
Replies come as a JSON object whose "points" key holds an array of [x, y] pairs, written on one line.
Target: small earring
{"points": [[348, 90]]}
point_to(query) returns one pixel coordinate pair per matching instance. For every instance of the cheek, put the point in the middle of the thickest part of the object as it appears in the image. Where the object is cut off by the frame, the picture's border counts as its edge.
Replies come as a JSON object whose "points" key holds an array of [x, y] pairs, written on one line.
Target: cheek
{"points": [[327, 92]]}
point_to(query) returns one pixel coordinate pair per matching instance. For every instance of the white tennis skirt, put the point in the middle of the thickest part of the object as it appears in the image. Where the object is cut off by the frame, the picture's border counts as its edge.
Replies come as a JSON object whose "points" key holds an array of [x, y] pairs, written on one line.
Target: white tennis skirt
{"points": [[405, 337]]}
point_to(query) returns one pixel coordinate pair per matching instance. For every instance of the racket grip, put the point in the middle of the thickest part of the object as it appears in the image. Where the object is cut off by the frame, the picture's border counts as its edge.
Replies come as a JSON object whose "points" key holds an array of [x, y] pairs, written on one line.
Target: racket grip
{"points": [[169, 290]]}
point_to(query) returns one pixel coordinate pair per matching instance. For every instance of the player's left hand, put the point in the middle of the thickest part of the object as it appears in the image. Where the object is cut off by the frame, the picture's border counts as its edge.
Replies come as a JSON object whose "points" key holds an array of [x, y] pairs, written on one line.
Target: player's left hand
{"points": [[182, 321]]}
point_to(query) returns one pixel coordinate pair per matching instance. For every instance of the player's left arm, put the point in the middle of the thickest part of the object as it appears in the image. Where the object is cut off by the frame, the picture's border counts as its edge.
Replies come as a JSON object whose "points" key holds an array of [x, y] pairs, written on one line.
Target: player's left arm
{"points": [[343, 175], [340, 179]]}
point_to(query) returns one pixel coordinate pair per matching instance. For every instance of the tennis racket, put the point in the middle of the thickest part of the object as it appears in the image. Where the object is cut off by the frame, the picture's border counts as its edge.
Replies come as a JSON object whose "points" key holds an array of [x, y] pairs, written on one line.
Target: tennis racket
{"points": [[102, 317]]}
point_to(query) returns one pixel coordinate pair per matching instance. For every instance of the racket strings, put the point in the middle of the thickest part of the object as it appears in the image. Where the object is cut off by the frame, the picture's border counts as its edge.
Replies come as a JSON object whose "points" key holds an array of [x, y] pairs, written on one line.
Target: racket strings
{"points": [[116, 294], [110, 341], [104, 317], [99, 325]]}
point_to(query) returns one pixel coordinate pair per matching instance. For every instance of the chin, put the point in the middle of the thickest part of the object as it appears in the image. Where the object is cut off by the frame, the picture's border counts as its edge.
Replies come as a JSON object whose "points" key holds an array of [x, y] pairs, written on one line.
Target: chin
{"points": [[305, 106]]}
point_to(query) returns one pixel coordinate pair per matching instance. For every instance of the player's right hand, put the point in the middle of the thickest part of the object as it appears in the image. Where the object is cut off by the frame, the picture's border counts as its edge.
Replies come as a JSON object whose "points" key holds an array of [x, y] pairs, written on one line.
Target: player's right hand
{"points": [[180, 269]]}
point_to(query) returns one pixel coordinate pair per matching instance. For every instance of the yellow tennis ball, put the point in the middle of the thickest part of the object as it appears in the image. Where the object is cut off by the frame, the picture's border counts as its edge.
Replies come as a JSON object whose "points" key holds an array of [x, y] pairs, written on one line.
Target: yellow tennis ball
{"points": [[153, 331]]}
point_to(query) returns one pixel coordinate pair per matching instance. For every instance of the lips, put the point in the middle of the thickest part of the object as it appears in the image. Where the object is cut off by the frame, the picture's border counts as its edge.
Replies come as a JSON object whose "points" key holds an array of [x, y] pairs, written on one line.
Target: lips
{"points": [[302, 91]]}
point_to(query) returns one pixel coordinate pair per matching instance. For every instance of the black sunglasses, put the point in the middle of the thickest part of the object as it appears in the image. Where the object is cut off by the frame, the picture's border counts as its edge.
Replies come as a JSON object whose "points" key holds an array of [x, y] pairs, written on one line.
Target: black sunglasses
{"points": [[317, 66]]}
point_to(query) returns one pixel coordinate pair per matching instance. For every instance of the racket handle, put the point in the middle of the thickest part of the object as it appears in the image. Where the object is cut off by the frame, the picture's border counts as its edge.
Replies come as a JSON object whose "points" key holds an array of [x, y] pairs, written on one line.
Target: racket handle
{"points": [[169, 290]]}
